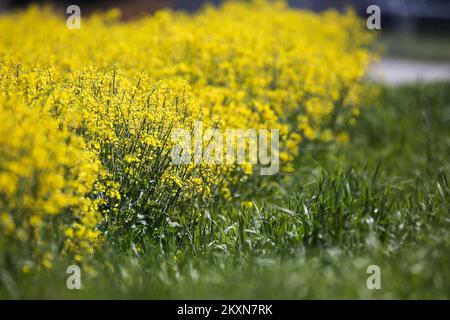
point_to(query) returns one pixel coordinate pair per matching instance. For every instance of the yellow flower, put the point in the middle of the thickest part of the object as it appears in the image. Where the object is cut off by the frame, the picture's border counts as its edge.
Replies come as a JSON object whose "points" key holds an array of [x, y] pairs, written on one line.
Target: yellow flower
{"points": [[326, 136], [7, 222], [342, 138], [247, 204], [247, 168], [84, 137], [35, 221], [47, 260], [26, 268], [69, 232]]}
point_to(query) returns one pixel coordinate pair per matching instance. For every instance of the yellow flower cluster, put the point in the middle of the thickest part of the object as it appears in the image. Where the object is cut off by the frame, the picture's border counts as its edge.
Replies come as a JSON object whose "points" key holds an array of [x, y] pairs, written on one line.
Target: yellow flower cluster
{"points": [[45, 173], [112, 92]]}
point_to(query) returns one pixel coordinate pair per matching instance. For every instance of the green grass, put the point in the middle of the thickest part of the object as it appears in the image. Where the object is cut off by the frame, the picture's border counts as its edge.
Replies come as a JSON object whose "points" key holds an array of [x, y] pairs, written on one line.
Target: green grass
{"points": [[383, 199], [416, 45]]}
